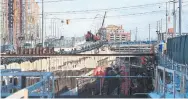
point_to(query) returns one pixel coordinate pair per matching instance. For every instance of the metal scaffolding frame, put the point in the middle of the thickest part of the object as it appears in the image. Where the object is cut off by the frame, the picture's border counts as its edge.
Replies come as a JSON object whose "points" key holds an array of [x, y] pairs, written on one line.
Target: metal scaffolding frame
{"points": [[175, 70], [43, 88]]}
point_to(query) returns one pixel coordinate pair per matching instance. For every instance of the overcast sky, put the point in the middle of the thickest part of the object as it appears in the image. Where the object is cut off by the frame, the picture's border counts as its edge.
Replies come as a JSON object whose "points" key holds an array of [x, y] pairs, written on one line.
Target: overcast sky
{"points": [[131, 20]]}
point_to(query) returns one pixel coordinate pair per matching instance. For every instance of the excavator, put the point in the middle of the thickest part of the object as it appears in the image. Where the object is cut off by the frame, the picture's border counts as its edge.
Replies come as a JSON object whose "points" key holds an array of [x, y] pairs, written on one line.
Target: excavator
{"points": [[89, 37]]}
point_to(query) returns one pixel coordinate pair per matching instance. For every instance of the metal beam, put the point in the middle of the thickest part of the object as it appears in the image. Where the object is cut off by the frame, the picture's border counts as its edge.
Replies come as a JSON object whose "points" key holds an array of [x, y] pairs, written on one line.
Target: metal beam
{"points": [[103, 77], [56, 55], [27, 74]]}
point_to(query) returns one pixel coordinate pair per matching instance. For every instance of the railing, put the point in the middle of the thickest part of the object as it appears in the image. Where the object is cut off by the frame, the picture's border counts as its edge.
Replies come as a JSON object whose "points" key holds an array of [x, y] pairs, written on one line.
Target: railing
{"points": [[178, 78], [43, 88], [131, 42], [166, 62]]}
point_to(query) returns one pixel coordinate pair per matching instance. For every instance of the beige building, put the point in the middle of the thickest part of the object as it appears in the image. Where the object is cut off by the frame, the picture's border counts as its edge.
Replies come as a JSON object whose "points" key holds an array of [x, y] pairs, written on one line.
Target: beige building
{"points": [[116, 33]]}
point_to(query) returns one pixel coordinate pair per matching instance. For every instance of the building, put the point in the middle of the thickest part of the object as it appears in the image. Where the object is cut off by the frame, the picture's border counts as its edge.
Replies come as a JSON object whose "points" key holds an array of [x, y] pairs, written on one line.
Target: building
{"points": [[116, 33], [1, 23], [32, 20], [20, 19], [4, 22]]}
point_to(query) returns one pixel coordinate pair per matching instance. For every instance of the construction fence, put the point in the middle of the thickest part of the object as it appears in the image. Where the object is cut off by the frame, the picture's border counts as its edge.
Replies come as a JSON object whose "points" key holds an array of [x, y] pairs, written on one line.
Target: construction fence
{"points": [[177, 49]]}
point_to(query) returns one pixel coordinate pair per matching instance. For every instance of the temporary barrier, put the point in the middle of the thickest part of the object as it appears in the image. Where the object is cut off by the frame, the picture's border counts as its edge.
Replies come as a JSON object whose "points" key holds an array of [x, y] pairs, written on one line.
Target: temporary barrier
{"points": [[177, 49]]}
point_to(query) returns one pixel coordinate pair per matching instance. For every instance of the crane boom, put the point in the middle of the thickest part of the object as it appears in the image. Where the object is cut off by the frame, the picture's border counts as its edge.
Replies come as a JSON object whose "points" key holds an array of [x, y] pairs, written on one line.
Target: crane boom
{"points": [[103, 20]]}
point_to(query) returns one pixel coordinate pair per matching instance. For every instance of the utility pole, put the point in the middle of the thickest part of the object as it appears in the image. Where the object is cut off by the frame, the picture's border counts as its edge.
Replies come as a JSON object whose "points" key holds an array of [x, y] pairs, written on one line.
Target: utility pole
{"points": [[149, 33], [157, 30], [136, 34], [42, 22], [130, 33], [161, 25], [166, 22], [180, 12], [174, 17]]}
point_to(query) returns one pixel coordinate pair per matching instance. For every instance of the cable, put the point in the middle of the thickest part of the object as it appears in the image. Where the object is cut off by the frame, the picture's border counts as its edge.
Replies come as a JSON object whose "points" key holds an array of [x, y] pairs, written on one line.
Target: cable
{"points": [[55, 1], [117, 15], [107, 9]]}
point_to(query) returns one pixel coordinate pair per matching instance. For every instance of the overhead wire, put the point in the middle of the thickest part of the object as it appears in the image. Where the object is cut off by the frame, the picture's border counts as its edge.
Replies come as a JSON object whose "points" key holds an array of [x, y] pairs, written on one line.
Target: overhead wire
{"points": [[109, 9], [142, 13], [51, 1]]}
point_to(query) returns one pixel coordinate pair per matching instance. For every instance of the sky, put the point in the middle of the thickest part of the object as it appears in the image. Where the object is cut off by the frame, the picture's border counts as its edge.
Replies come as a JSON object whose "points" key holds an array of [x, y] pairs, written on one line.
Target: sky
{"points": [[130, 19]]}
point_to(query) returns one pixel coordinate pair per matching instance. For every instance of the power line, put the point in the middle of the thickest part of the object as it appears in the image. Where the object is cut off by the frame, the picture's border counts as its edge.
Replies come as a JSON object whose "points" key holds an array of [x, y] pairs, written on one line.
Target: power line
{"points": [[143, 13], [110, 9]]}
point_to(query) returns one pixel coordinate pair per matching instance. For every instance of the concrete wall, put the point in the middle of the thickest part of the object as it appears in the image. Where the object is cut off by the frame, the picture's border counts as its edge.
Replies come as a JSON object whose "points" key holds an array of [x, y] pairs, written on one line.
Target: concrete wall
{"points": [[60, 63]]}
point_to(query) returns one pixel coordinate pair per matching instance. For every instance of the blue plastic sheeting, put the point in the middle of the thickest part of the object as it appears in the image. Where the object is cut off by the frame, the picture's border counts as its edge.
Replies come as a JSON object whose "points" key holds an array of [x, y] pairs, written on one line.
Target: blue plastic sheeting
{"points": [[169, 93], [177, 81], [26, 74], [160, 48], [73, 92], [154, 95], [10, 70]]}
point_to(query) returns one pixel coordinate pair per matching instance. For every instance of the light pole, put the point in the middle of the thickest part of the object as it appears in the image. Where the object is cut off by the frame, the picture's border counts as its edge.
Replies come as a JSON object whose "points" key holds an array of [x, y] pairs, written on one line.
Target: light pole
{"points": [[174, 18], [53, 22], [42, 22], [166, 23], [180, 12]]}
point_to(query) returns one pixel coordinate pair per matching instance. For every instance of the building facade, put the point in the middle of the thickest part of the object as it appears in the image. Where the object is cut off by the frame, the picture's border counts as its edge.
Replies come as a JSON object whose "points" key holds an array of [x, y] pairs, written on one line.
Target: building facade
{"points": [[116, 33], [1, 23], [19, 18]]}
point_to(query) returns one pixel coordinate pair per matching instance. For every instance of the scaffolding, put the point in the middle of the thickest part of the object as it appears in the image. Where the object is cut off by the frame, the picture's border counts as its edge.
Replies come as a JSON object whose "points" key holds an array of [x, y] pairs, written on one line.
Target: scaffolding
{"points": [[37, 84], [171, 79]]}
